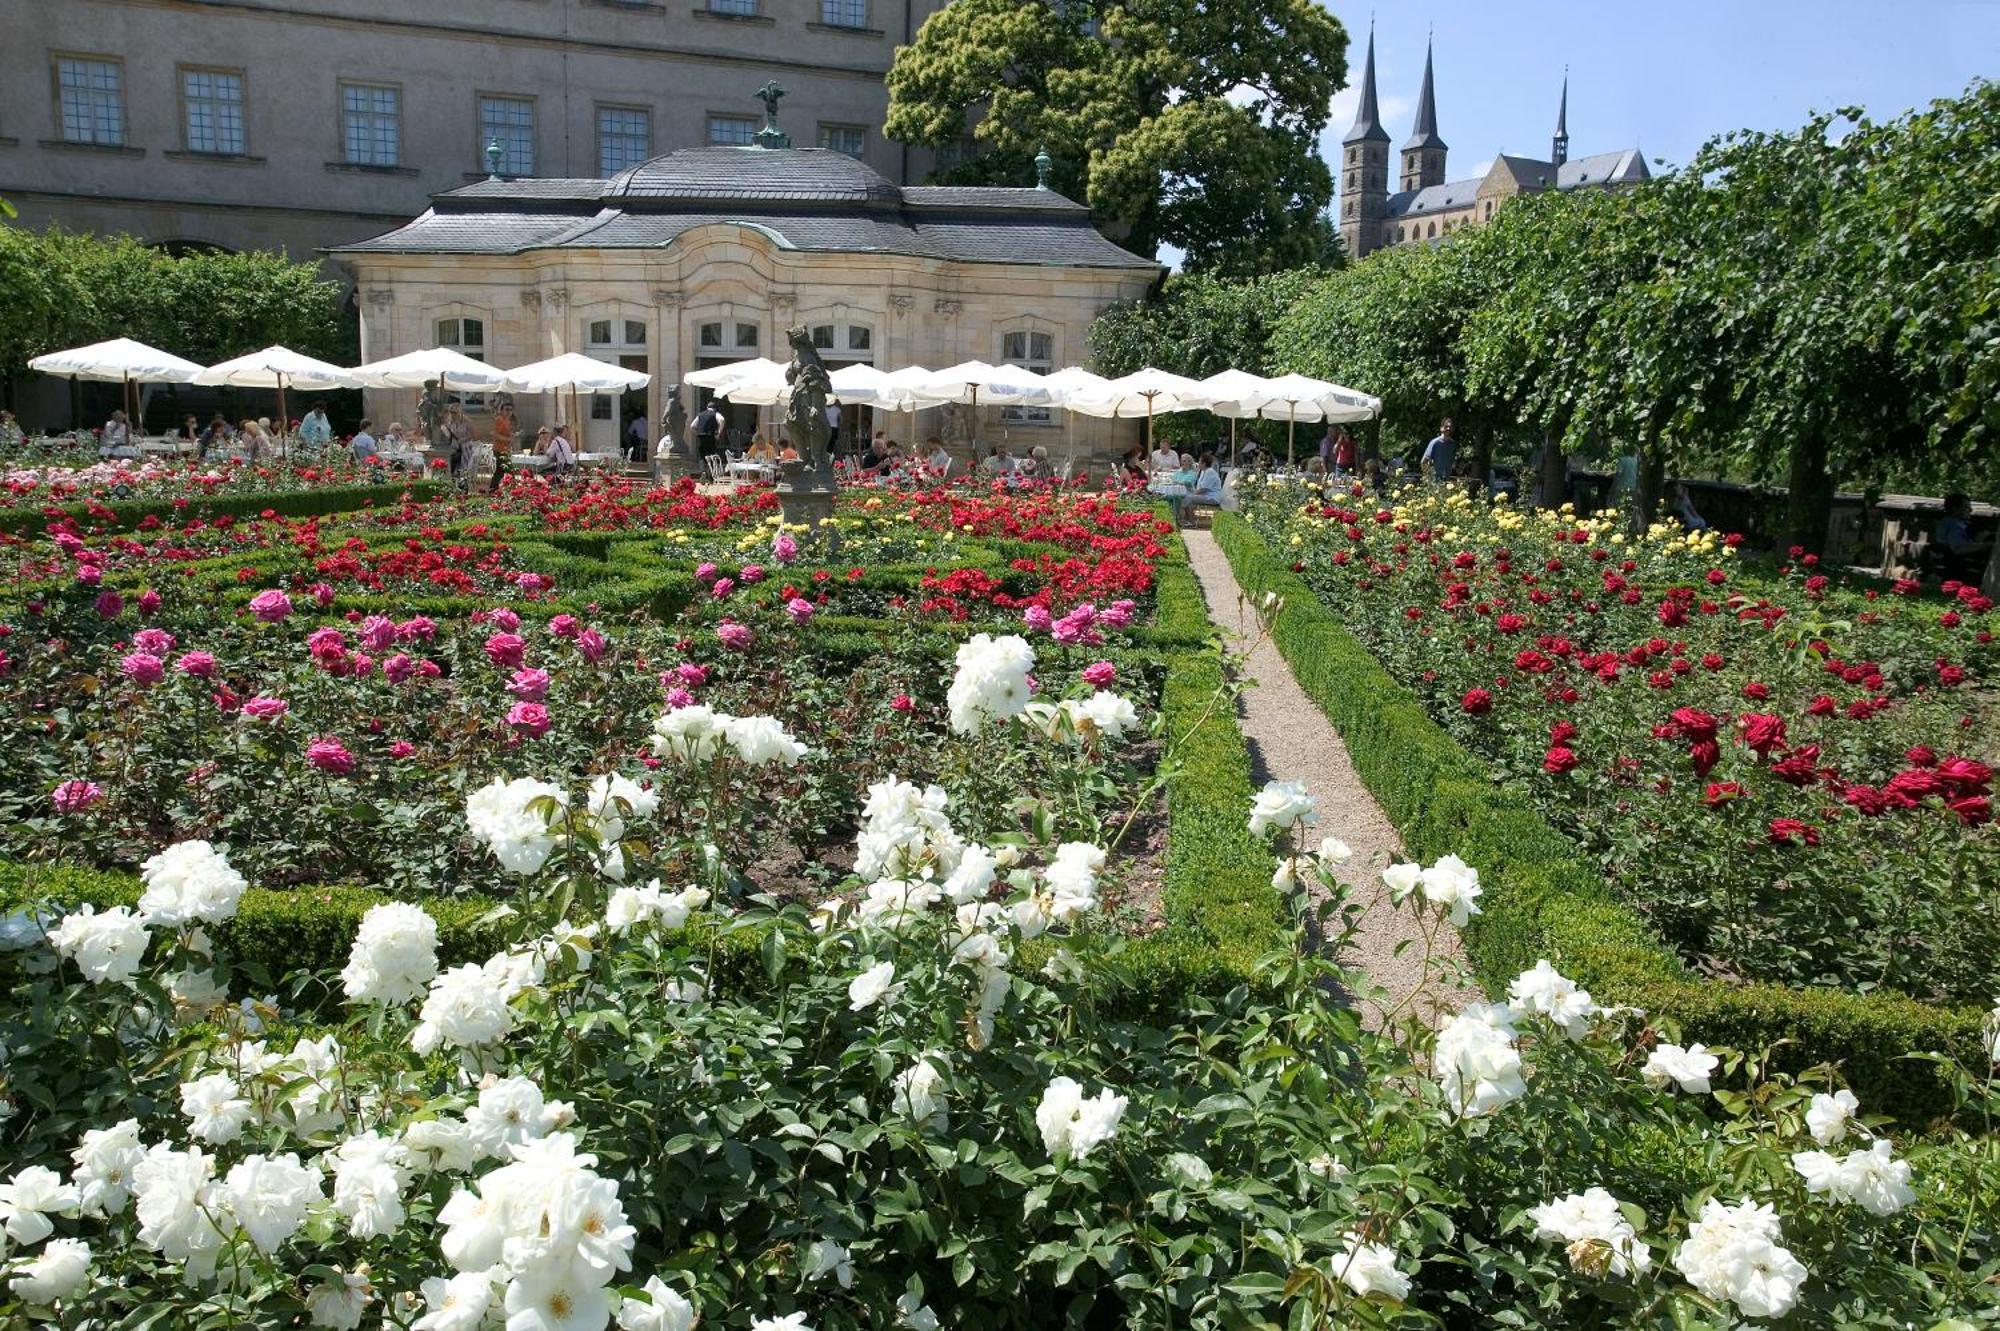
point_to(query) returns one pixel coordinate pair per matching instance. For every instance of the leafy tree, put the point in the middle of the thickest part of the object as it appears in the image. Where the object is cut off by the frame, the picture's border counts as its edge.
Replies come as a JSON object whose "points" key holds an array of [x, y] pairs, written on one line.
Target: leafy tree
{"points": [[1198, 324], [1191, 123]]}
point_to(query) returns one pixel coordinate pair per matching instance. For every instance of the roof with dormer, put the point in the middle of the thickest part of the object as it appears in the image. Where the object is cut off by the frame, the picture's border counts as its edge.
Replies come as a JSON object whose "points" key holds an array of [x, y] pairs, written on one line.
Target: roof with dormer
{"points": [[807, 199]]}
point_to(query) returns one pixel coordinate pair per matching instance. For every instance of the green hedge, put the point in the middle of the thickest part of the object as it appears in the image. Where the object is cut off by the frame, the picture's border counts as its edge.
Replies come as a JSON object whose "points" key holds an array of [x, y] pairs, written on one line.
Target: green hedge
{"points": [[1543, 897], [127, 513]]}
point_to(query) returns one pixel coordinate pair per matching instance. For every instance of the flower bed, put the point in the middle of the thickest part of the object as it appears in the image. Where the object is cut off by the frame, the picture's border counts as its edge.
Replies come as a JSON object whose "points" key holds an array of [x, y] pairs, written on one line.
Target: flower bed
{"points": [[1792, 781], [1545, 898]]}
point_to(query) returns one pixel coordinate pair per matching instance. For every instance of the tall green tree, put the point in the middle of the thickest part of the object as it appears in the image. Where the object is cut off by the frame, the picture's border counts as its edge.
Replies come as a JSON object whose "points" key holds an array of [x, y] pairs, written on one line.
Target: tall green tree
{"points": [[1198, 324], [1191, 123]]}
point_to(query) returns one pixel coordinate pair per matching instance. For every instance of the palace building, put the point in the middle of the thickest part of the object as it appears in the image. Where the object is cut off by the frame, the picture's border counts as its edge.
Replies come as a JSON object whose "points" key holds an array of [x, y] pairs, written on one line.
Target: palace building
{"points": [[1424, 206], [708, 255]]}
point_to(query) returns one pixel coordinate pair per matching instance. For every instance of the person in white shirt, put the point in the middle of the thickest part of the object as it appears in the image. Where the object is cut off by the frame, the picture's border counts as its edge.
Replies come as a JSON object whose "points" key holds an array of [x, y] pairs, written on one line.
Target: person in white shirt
{"points": [[561, 455], [1165, 458], [999, 462], [833, 427], [314, 429], [939, 462], [117, 435]]}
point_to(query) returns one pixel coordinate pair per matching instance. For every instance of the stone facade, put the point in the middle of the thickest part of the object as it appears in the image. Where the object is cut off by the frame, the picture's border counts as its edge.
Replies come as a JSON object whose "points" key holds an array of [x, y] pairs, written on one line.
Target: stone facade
{"points": [[1426, 207], [737, 272], [193, 123]]}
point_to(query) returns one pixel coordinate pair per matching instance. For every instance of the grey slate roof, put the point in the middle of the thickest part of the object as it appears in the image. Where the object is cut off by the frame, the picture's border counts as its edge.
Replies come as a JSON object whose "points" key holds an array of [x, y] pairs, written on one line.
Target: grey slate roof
{"points": [[803, 199], [1625, 166], [1425, 135], [1433, 198], [1368, 115]]}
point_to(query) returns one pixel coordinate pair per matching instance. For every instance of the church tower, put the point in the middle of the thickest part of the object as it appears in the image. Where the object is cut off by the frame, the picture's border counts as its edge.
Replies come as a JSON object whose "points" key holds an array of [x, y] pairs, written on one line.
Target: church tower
{"points": [[1423, 154], [1364, 170], [1559, 146]]}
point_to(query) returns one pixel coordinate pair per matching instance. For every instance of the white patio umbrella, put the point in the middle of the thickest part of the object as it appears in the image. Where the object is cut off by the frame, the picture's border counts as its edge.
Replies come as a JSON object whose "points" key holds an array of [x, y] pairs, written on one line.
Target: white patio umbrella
{"points": [[1074, 382], [1296, 397], [276, 367], [1003, 385], [413, 369], [1149, 390], [1235, 394], [864, 385], [576, 372], [718, 377], [118, 361]]}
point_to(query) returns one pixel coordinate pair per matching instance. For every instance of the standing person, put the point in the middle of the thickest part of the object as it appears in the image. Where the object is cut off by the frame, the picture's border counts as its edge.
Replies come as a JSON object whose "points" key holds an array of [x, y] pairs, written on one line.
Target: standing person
{"points": [[1440, 455], [1344, 453], [708, 431], [503, 426], [635, 440], [314, 429], [1328, 442], [457, 433], [832, 427]]}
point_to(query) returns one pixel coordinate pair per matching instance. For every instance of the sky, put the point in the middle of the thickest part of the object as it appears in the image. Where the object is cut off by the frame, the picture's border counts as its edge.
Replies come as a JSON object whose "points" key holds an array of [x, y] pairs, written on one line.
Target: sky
{"points": [[1662, 74]]}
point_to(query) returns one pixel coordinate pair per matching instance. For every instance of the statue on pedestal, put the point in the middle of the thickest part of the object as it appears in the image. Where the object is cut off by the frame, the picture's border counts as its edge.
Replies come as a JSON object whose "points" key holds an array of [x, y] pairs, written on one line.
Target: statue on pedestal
{"points": [[805, 414], [431, 408], [673, 450]]}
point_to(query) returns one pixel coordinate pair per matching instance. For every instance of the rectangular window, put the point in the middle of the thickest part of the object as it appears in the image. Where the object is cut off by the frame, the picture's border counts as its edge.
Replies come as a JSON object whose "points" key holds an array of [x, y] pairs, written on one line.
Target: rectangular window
{"points": [[624, 137], [734, 8], [732, 130], [844, 13], [849, 139], [467, 337], [510, 121], [92, 94], [371, 124], [212, 111], [1033, 351]]}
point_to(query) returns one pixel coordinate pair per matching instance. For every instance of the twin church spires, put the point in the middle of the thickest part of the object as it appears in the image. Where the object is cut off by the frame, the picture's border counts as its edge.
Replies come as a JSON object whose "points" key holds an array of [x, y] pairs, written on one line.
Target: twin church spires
{"points": [[1365, 155]]}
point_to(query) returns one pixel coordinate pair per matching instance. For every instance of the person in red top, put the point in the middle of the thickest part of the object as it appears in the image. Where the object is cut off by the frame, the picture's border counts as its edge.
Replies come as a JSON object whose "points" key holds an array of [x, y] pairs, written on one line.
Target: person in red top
{"points": [[1344, 454]]}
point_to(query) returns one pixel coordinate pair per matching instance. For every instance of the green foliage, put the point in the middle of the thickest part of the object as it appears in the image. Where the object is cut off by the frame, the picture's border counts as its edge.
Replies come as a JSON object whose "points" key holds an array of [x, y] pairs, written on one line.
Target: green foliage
{"points": [[1133, 100], [1543, 901], [1198, 324], [62, 289], [288, 503]]}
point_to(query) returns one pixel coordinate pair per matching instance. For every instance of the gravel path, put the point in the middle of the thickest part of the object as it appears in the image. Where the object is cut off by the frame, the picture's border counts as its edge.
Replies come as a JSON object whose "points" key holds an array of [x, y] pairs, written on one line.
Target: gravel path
{"points": [[1290, 739]]}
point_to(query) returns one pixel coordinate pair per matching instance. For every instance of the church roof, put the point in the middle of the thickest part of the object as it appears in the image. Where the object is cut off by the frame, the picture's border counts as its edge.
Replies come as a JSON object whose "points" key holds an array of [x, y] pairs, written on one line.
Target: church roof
{"points": [[807, 199], [1434, 198], [1623, 167], [1425, 134]]}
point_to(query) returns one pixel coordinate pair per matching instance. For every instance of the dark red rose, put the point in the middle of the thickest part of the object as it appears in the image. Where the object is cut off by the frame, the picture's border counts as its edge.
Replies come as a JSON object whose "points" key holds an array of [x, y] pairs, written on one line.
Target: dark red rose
{"points": [[1919, 756], [1964, 776], [1762, 731], [1704, 753], [1868, 800], [1792, 832], [1822, 705], [1476, 702], [1915, 783], [1695, 724], [1562, 732], [1756, 691], [1972, 810], [1559, 760], [1720, 793]]}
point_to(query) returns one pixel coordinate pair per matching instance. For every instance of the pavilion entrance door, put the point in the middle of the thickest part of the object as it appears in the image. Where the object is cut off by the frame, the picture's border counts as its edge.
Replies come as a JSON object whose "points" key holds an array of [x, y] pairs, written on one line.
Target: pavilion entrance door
{"points": [[722, 341], [608, 417], [841, 342]]}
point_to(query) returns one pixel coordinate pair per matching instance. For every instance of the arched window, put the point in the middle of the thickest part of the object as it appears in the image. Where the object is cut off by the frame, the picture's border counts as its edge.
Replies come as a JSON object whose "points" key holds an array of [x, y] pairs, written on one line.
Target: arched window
{"points": [[1034, 350], [842, 343], [465, 334], [1433, 231]]}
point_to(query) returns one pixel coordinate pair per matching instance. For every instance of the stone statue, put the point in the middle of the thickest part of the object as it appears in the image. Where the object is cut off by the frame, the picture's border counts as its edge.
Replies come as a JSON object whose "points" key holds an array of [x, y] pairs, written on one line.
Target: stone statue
{"points": [[805, 416], [675, 454], [957, 426], [431, 409]]}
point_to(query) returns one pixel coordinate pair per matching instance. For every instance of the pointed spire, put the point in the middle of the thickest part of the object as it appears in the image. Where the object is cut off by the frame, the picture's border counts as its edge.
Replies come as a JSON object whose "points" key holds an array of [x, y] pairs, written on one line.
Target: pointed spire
{"points": [[1368, 116], [1425, 135], [1559, 147]]}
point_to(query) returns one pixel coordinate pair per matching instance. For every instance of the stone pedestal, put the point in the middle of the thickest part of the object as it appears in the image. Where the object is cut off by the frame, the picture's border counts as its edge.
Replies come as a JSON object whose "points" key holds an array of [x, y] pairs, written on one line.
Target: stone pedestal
{"points": [[807, 499]]}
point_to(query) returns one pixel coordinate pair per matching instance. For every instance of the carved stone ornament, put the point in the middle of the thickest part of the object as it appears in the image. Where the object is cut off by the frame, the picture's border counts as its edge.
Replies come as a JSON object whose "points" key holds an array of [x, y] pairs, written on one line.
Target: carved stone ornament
{"points": [[784, 302], [666, 298], [902, 304], [381, 296], [951, 309], [558, 296], [531, 300]]}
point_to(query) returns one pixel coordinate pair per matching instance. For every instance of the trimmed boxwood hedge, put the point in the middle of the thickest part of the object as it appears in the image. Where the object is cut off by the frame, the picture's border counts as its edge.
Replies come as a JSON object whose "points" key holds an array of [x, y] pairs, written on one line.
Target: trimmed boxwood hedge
{"points": [[1222, 913], [1543, 898], [125, 513]]}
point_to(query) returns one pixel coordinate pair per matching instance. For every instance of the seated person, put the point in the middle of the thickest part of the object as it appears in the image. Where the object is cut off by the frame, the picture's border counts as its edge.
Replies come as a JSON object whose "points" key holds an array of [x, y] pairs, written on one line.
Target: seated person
{"points": [[544, 436], [939, 461], [1164, 458], [116, 439], [761, 451], [1036, 464], [1684, 510], [363, 444], [878, 455], [1952, 553], [1207, 491], [787, 453], [561, 454], [1184, 472], [214, 439], [1132, 466], [189, 433], [1316, 468], [1000, 462]]}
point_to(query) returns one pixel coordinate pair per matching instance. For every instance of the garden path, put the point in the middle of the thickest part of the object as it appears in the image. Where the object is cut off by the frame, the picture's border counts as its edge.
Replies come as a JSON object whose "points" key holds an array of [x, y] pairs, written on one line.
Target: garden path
{"points": [[1290, 739]]}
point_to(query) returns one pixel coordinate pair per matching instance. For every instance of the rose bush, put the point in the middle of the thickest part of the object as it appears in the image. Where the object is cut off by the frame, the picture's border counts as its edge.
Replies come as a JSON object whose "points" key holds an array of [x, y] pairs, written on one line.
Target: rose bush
{"points": [[1793, 779]]}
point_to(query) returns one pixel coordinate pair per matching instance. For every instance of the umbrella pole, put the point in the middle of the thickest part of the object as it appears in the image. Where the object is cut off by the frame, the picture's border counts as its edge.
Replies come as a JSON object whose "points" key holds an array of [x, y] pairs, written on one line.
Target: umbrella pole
{"points": [[1149, 427], [284, 423], [125, 401], [1291, 429]]}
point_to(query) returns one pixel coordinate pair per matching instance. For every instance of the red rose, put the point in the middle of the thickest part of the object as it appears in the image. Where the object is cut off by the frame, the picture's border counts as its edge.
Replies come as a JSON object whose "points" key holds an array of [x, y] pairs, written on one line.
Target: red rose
{"points": [[1868, 800], [1757, 691], [1792, 832], [1822, 705], [1476, 702], [1951, 676], [1972, 810], [1704, 754], [1720, 793], [1762, 731], [1800, 769], [1695, 724], [1711, 662], [1559, 760], [1919, 756], [1964, 776], [1562, 732]]}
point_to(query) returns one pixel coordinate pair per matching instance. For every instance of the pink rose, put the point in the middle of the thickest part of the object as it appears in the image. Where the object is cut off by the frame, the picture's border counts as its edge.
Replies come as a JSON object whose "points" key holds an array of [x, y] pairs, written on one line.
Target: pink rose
{"points": [[565, 626], [398, 668], [263, 707], [270, 606], [143, 668], [799, 609], [1037, 617], [530, 718], [592, 644], [428, 669], [76, 796], [692, 675], [1119, 613], [903, 703], [1100, 674], [529, 685], [90, 575], [532, 582], [784, 549], [736, 637], [752, 573], [722, 588], [199, 664], [402, 748], [678, 698], [704, 572], [322, 595], [506, 650], [378, 633], [507, 620], [418, 628], [110, 604], [329, 755], [157, 641], [149, 602]]}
